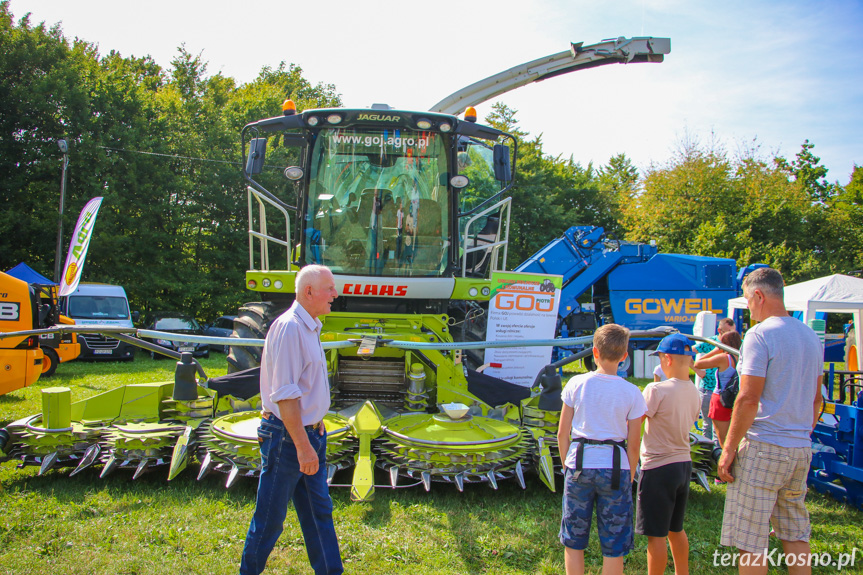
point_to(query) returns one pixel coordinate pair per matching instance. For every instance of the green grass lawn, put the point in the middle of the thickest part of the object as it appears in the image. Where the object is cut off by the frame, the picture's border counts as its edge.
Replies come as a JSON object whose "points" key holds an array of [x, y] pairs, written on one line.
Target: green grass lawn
{"points": [[57, 525]]}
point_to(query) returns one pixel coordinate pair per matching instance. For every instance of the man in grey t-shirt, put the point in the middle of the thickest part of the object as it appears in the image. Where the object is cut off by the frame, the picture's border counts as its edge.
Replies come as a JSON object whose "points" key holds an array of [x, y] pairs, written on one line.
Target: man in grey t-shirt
{"points": [[768, 451]]}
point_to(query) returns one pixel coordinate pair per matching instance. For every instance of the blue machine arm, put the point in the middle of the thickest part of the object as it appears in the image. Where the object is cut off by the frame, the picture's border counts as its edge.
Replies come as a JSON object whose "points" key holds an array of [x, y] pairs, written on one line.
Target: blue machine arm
{"points": [[583, 257]]}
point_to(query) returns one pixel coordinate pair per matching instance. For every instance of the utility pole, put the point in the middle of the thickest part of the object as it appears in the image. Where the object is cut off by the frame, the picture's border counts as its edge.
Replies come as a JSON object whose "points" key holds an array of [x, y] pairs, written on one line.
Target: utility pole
{"points": [[64, 149]]}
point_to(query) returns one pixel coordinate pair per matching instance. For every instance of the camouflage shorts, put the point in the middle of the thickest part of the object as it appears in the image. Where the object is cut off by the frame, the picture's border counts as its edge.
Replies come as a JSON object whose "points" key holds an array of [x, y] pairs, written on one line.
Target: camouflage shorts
{"points": [[613, 511]]}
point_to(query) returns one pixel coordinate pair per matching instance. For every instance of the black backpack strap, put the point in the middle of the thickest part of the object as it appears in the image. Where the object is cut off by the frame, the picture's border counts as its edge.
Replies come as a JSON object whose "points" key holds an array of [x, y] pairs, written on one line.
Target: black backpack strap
{"points": [[615, 469]]}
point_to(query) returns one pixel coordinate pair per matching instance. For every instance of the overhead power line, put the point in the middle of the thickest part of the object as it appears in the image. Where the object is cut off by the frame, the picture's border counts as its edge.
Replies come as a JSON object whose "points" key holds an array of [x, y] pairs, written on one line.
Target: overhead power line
{"points": [[171, 156]]}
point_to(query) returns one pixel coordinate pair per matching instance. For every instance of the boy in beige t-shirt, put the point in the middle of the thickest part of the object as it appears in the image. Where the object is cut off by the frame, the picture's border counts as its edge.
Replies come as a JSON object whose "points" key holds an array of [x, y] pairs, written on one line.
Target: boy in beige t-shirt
{"points": [[666, 463]]}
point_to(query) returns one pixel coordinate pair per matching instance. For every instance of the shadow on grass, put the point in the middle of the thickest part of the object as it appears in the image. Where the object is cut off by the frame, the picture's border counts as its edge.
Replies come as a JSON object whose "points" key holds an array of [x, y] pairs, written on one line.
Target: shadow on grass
{"points": [[10, 398], [119, 485]]}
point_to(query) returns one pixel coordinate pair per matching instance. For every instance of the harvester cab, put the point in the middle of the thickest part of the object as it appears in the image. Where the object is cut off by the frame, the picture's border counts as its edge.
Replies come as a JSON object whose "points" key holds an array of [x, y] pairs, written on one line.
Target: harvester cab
{"points": [[389, 198], [408, 209]]}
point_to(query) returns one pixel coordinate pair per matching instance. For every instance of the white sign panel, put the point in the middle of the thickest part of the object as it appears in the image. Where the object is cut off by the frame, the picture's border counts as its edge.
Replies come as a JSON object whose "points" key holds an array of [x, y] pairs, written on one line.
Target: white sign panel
{"points": [[522, 307]]}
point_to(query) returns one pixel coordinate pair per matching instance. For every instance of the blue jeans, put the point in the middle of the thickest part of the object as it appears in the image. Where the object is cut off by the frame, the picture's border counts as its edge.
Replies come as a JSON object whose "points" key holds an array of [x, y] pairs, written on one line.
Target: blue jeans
{"points": [[281, 481]]}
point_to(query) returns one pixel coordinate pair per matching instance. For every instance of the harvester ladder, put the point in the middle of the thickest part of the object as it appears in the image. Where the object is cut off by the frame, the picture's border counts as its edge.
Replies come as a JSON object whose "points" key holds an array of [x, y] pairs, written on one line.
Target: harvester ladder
{"points": [[262, 234], [502, 207]]}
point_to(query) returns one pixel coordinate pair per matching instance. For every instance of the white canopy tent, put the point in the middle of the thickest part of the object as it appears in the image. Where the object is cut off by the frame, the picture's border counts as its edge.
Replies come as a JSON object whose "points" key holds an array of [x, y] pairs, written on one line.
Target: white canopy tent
{"points": [[837, 293]]}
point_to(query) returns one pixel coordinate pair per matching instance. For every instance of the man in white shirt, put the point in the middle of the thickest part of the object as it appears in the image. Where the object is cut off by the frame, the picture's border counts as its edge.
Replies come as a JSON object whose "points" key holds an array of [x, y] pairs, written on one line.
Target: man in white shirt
{"points": [[295, 396]]}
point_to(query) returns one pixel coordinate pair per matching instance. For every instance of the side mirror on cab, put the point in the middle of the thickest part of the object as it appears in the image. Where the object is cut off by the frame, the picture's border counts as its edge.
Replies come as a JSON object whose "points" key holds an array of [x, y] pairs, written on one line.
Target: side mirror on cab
{"points": [[257, 154], [502, 168]]}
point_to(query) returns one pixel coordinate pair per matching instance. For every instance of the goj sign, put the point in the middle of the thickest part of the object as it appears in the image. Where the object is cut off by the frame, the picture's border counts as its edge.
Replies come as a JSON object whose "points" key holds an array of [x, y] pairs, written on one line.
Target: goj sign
{"points": [[523, 307]]}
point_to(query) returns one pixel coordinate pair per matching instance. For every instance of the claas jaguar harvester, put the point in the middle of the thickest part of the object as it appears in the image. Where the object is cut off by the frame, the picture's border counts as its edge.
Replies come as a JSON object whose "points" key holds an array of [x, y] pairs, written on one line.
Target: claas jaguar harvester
{"points": [[410, 211]]}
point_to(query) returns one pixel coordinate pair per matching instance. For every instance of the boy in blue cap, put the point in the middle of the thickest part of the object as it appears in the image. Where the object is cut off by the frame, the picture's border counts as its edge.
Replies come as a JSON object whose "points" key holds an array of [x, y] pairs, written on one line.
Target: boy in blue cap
{"points": [[598, 436], [666, 463]]}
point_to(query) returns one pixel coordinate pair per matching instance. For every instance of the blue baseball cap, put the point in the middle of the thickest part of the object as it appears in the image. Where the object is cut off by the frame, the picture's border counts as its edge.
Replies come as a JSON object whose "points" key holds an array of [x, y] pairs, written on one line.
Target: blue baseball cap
{"points": [[675, 344]]}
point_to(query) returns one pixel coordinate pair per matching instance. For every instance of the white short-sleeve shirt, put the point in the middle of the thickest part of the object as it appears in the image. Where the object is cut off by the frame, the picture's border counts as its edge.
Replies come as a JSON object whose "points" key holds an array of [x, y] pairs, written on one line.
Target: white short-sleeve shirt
{"points": [[293, 365], [602, 406]]}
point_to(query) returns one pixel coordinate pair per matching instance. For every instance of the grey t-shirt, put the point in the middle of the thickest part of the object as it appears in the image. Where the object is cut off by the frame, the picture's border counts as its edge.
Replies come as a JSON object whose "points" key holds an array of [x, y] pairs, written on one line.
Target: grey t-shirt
{"points": [[788, 354]]}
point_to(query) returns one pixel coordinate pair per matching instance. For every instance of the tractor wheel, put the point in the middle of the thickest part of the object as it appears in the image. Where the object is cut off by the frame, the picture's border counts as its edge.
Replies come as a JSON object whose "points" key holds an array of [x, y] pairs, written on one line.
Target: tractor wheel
{"points": [[50, 361], [252, 322], [589, 364]]}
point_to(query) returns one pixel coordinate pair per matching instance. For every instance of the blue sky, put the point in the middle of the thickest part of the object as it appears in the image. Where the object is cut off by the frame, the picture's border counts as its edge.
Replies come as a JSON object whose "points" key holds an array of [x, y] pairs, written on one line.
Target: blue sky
{"points": [[764, 72]]}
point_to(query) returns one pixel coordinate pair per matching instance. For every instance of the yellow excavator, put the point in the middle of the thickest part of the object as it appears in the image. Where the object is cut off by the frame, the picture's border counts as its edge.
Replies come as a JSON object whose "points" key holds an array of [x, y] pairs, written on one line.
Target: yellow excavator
{"points": [[24, 359], [20, 357]]}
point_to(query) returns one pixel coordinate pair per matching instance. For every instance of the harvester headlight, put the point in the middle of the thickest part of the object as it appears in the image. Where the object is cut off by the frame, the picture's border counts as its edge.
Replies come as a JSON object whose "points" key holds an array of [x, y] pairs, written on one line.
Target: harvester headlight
{"points": [[163, 342], [445, 127], [486, 291], [458, 182], [265, 282], [252, 284], [294, 173], [277, 284], [334, 119], [424, 124], [313, 121], [473, 292]]}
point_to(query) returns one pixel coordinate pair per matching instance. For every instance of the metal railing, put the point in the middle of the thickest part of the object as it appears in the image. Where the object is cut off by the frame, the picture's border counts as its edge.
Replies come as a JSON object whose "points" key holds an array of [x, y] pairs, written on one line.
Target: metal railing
{"points": [[262, 235], [493, 248]]}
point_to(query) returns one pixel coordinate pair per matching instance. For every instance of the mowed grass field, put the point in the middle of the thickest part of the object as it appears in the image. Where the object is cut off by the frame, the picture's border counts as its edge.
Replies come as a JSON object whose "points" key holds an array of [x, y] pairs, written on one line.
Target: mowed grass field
{"points": [[57, 525]]}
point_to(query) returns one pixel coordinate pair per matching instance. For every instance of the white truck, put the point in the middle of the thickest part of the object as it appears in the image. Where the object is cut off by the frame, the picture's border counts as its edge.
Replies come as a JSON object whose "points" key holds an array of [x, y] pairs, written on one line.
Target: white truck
{"points": [[103, 305]]}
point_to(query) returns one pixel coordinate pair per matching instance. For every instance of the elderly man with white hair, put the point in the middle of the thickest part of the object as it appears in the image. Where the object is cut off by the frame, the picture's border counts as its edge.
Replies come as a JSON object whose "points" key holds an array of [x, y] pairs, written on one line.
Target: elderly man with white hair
{"points": [[295, 395]]}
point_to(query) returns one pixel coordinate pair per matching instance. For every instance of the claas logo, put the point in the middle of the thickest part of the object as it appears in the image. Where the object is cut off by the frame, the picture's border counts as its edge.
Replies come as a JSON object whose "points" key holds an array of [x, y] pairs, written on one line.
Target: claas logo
{"points": [[374, 289]]}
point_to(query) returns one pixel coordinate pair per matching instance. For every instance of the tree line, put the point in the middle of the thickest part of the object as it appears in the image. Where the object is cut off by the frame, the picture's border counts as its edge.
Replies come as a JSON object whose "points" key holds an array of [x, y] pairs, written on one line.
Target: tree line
{"points": [[162, 146]]}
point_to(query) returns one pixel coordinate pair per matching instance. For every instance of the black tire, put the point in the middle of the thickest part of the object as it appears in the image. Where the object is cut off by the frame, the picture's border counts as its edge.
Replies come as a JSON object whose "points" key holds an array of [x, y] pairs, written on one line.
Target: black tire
{"points": [[628, 364], [206, 355], [50, 361], [252, 322]]}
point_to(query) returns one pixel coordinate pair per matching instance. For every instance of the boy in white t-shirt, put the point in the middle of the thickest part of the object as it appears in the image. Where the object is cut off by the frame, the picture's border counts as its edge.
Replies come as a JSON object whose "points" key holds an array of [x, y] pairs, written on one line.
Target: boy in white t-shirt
{"points": [[599, 436]]}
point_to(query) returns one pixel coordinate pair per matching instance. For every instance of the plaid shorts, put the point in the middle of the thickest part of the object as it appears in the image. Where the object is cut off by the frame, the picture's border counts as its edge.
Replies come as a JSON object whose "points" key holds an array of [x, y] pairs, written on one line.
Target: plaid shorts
{"points": [[769, 488], [613, 511]]}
